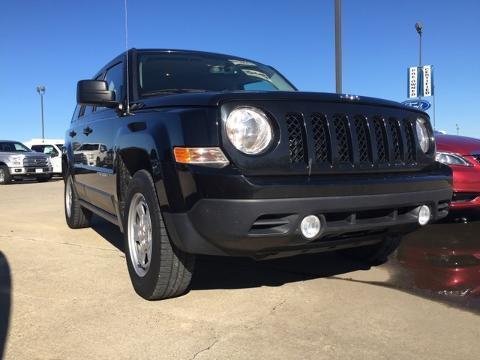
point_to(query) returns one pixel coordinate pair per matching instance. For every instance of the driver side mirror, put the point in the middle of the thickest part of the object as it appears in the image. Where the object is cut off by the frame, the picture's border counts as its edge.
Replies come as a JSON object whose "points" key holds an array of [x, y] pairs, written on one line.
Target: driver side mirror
{"points": [[95, 92]]}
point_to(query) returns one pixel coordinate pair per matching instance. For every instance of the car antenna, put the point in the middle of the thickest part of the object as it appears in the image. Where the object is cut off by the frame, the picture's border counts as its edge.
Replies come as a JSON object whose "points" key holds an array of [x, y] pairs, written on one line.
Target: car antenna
{"points": [[127, 110]]}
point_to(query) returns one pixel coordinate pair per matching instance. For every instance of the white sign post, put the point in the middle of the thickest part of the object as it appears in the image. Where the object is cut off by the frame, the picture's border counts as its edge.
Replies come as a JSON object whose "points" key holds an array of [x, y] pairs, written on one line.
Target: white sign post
{"points": [[427, 81], [412, 82]]}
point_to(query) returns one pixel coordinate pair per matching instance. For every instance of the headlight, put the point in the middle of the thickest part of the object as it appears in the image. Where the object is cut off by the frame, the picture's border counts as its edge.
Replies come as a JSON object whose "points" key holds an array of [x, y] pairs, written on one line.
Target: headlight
{"points": [[451, 159], [249, 130], [16, 161], [422, 135]]}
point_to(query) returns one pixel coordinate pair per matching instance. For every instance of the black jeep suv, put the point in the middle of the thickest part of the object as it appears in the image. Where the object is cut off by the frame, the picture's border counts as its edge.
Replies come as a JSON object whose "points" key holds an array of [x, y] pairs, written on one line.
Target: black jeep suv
{"points": [[201, 153]]}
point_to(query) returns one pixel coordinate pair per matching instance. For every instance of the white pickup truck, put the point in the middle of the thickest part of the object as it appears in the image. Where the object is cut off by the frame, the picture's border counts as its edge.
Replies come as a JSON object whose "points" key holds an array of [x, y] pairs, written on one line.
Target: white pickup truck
{"points": [[50, 147], [19, 162]]}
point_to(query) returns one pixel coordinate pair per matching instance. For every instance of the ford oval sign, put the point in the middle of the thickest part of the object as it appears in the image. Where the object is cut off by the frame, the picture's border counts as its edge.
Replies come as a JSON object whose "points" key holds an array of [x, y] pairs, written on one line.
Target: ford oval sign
{"points": [[418, 104]]}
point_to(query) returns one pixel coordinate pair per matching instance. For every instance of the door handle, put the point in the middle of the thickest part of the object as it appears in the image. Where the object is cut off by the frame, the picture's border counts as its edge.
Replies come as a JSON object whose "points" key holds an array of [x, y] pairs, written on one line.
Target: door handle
{"points": [[72, 133], [87, 131]]}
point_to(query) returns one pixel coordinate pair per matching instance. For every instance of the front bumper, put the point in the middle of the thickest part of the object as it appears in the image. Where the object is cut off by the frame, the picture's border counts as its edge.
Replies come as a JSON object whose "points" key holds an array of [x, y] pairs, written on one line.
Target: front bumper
{"points": [[269, 227], [30, 171]]}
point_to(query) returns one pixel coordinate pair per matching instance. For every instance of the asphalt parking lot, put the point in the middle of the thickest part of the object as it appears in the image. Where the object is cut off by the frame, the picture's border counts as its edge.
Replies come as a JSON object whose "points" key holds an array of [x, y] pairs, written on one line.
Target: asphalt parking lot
{"points": [[66, 294]]}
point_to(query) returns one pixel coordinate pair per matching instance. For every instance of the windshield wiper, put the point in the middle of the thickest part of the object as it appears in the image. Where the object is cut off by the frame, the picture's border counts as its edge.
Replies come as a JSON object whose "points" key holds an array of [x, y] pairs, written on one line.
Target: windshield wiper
{"points": [[173, 91]]}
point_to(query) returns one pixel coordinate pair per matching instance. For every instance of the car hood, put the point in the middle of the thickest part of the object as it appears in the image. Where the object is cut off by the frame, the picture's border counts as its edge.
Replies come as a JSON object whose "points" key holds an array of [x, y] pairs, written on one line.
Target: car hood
{"points": [[458, 144], [26, 154], [212, 99]]}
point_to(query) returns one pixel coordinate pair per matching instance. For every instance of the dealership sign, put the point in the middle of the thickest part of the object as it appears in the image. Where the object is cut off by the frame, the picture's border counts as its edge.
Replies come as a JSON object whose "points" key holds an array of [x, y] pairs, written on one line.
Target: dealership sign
{"points": [[420, 81]]}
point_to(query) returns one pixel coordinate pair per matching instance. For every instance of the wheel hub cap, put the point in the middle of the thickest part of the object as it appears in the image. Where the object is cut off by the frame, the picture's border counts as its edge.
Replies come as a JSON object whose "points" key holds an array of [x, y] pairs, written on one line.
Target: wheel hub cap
{"points": [[68, 197], [139, 234]]}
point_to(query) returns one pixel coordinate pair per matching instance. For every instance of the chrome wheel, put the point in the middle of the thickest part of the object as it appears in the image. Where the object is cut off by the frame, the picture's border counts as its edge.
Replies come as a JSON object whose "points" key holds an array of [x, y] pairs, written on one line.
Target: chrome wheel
{"points": [[2, 176], [68, 197], [139, 234]]}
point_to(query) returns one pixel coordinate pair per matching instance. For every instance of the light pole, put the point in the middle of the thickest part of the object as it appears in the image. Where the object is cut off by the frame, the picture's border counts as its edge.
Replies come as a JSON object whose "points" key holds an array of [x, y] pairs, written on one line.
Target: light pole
{"points": [[419, 28], [338, 46], [41, 92]]}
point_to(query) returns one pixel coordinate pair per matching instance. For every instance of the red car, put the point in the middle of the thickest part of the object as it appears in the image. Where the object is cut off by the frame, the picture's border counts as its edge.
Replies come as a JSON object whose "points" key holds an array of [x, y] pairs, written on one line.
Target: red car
{"points": [[462, 154], [444, 257]]}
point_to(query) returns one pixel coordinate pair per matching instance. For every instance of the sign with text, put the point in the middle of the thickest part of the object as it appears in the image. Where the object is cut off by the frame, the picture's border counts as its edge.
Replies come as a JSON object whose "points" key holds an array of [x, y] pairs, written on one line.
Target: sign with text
{"points": [[413, 83], [427, 80]]}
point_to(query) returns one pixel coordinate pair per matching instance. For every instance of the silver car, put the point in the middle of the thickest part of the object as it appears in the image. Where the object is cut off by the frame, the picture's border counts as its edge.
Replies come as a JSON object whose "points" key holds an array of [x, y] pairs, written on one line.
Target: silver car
{"points": [[19, 162]]}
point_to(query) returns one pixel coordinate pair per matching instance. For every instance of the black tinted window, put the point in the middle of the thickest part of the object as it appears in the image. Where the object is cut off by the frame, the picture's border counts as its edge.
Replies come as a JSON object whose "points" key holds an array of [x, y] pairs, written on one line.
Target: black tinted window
{"points": [[114, 79], [10, 146], [178, 72]]}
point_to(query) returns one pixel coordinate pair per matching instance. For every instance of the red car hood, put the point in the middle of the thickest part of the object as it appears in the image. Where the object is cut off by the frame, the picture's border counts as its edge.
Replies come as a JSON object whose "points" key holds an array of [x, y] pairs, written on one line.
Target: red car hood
{"points": [[458, 144]]}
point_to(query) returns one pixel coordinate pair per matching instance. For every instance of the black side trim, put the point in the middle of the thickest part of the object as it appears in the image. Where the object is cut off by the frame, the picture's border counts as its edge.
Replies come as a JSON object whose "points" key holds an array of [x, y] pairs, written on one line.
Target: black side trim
{"points": [[102, 213]]}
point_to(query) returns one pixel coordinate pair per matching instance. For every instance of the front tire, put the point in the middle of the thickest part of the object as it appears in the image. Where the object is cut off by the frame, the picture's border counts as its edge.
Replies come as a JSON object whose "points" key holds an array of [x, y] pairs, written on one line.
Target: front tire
{"points": [[76, 216], [5, 177], [158, 270], [376, 254]]}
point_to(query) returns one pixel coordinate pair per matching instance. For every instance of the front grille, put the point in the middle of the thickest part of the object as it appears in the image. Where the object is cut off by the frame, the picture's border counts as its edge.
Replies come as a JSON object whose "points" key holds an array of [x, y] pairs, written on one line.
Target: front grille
{"points": [[32, 161], [359, 140]]}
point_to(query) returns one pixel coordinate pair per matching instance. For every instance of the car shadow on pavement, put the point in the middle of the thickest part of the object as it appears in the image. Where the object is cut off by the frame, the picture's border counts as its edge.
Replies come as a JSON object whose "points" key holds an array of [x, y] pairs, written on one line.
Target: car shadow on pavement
{"points": [[234, 273], [108, 231], [5, 301]]}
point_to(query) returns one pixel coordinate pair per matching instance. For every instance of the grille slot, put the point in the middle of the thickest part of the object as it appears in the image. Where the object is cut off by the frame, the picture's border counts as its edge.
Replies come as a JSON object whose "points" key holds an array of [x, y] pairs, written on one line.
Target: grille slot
{"points": [[364, 146], [296, 143], [381, 139], [342, 135], [321, 138], [396, 140], [411, 151]]}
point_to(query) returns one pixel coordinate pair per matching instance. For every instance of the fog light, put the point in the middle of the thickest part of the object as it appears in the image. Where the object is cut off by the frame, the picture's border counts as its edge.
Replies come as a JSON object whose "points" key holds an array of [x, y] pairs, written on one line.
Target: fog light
{"points": [[310, 226], [424, 215]]}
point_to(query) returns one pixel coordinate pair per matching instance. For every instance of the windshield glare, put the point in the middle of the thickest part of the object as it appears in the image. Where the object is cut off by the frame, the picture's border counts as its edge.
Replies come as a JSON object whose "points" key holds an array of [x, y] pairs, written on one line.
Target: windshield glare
{"points": [[10, 146], [178, 72]]}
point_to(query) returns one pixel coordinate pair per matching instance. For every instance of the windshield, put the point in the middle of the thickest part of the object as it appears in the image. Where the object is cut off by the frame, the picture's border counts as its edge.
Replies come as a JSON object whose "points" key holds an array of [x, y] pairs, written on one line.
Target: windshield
{"points": [[11, 146], [180, 72]]}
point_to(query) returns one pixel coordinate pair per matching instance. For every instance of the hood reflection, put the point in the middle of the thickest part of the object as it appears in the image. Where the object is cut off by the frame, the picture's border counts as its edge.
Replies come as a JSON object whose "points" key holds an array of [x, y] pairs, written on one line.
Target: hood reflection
{"points": [[445, 257]]}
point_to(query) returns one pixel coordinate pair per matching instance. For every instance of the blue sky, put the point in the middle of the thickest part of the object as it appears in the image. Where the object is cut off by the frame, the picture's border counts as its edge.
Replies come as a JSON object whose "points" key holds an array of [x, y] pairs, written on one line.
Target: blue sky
{"points": [[57, 43]]}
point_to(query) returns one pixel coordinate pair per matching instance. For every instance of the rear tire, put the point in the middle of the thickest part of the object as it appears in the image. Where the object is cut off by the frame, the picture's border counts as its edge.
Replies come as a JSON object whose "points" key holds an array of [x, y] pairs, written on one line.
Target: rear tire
{"points": [[76, 216], [5, 177], [376, 254], [158, 270]]}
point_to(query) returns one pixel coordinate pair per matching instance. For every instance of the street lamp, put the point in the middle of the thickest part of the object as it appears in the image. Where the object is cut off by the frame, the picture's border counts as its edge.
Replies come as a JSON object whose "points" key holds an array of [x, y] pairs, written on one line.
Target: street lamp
{"points": [[41, 92]]}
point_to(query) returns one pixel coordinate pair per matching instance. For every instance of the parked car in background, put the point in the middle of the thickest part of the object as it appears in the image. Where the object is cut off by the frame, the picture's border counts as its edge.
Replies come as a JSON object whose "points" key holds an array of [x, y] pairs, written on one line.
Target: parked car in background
{"points": [[445, 257], [462, 154], [220, 155], [50, 147], [19, 162]]}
